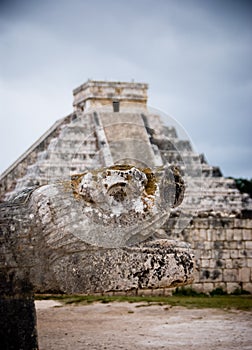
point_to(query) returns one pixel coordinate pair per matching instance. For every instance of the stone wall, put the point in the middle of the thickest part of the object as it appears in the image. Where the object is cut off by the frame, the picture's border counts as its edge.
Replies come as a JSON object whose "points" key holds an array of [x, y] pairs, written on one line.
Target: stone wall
{"points": [[223, 251]]}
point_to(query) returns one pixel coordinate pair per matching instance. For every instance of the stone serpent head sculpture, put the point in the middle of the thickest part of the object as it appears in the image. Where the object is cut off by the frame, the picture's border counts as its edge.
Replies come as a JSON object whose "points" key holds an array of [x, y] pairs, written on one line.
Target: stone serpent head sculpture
{"points": [[71, 231], [91, 234], [122, 205]]}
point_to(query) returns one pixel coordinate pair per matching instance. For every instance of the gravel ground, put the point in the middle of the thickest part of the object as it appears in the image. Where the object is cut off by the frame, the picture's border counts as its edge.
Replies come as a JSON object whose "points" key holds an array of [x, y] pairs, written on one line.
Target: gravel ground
{"points": [[133, 326]]}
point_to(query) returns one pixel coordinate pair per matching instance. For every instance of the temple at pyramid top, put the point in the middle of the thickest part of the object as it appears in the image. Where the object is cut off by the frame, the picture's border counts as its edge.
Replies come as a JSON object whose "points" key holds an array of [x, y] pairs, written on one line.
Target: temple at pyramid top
{"points": [[116, 96]]}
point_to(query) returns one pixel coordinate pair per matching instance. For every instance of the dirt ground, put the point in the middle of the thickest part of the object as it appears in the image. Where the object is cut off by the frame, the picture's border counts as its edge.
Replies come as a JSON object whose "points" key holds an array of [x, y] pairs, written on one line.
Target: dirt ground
{"points": [[138, 326]]}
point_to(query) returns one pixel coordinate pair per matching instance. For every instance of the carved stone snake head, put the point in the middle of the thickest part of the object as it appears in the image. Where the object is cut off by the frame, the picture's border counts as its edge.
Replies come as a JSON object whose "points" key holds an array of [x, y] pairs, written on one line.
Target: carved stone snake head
{"points": [[127, 202]]}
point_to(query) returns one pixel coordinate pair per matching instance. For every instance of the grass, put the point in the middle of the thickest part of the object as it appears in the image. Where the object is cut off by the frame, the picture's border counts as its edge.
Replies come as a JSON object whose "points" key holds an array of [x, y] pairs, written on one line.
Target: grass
{"points": [[239, 302]]}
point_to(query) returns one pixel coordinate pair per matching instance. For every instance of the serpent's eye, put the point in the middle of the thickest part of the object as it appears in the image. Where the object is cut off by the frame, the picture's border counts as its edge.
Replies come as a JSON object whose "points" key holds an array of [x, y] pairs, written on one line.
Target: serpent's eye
{"points": [[138, 175]]}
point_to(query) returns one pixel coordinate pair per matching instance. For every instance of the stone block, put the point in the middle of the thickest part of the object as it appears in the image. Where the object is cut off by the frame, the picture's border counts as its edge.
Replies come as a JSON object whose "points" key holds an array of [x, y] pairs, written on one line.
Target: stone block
{"points": [[249, 253], [234, 254], [247, 234], [208, 245], [238, 263], [233, 245], [208, 287], [216, 223], [205, 274], [242, 253], [248, 224], [240, 244], [225, 254], [237, 234], [205, 263], [218, 245], [206, 254], [230, 244], [202, 234], [249, 262], [222, 254], [198, 287], [220, 285], [238, 223], [220, 263], [229, 234], [244, 274], [230, 223], [218, 235], [216, 274], [248, 245], [217, 254], [230, 275], [212, 263], [195, 235], [231, 287], [247, 286]]}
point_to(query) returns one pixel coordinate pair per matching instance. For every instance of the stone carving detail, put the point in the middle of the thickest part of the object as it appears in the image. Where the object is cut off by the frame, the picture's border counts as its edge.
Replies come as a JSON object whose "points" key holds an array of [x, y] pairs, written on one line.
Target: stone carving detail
{"points": [[122, 204], [63, 237], [113, 212]]}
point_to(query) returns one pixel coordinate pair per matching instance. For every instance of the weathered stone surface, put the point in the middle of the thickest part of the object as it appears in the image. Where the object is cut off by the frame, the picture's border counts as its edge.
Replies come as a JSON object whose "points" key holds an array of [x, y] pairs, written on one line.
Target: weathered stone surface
{"points": [[74, 227], [222, 263], [157, 264], [112, 207], [79, 220], [83, 236], [43, 249]]}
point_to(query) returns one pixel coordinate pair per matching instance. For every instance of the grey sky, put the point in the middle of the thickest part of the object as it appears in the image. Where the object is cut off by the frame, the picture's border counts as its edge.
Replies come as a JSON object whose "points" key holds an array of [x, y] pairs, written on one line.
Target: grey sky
{"points": [[196, 57]]}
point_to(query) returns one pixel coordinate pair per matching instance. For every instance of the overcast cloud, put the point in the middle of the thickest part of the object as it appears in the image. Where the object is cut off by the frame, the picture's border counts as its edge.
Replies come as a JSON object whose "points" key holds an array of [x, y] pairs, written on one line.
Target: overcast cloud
{"points": [[196, 57]]}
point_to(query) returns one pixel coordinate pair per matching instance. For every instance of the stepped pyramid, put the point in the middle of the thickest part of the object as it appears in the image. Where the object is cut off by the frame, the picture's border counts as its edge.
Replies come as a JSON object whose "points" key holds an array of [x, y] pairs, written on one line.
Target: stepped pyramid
{"points": [[111, 124]]}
